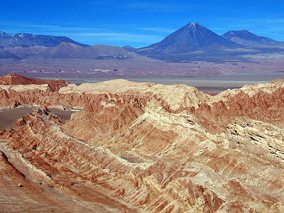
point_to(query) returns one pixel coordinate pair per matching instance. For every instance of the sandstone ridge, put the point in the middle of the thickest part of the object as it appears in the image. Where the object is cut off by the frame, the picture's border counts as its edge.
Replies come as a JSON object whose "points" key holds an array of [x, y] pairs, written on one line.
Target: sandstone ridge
{"points": [[144, 147]]}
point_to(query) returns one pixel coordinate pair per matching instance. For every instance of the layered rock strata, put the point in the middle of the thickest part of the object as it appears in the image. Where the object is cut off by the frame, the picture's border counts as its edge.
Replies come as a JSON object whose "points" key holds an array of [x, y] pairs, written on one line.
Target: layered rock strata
{"points": [[143, 147]]}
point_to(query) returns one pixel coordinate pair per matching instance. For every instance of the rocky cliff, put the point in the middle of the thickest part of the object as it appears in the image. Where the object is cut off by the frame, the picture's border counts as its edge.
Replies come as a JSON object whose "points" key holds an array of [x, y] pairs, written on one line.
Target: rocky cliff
{"points": [[143, 147]]}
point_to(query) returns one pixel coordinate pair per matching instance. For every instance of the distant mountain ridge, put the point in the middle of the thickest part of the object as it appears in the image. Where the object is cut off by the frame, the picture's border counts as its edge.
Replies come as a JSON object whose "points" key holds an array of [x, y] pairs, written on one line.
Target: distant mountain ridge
{"points": [[192, 42], [244, 37], [25, 45], [69, 51], [28, 40], [196, 42]]}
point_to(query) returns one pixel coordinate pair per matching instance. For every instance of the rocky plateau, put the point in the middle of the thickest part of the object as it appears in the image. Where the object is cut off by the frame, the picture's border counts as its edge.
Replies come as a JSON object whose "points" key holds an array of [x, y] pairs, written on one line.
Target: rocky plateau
{"points": [[142, 147]]}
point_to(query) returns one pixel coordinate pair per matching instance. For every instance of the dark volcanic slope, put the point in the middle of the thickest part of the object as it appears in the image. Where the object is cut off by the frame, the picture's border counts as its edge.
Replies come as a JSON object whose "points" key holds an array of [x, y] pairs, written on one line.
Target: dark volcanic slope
{"points": [[190, 38]]}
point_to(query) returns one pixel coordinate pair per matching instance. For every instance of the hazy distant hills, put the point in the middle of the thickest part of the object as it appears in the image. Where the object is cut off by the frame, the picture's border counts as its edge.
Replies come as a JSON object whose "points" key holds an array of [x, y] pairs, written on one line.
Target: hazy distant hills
{"points": [[24, 45], [28, 40], [4, 54], [246, 38], [192, 42], [69, 50]]}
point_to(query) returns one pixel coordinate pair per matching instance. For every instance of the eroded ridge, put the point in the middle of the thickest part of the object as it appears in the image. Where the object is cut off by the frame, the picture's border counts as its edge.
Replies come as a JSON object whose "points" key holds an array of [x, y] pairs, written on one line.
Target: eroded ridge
{"points": [[143, 147]]}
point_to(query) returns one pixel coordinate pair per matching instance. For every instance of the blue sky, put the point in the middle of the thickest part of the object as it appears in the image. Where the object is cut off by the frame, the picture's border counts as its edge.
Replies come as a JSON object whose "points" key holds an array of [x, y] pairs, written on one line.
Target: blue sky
{"points": [[138, 23]]}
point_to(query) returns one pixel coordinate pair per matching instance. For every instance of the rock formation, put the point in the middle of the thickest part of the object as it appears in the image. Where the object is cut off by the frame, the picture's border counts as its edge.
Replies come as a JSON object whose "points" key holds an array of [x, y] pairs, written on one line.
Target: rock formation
{"points": [[143, 147], [15, 79]]}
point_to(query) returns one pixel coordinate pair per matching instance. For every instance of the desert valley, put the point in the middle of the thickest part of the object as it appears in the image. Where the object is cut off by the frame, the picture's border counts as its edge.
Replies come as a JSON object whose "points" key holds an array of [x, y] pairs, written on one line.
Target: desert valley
{"points": [[153, 106], [121, 146]]}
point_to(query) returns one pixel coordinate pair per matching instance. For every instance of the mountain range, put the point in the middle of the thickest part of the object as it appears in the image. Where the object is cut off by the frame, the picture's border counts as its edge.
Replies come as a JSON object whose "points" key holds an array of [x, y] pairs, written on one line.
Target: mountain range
{"points": [[28, 40], [192, 38], [193, 42], [196, 42], [244, 37]]}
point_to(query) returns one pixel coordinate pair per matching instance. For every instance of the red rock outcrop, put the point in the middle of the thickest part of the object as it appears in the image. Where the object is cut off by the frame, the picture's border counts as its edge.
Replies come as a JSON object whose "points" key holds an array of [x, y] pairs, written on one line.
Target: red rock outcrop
{"points": [[145, 147], [260, 106], [15, 79]]}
